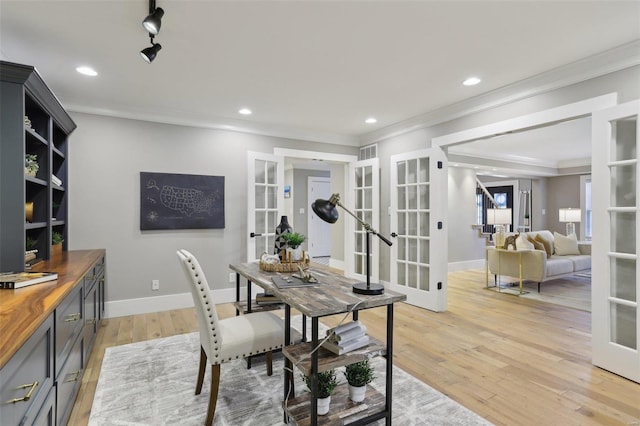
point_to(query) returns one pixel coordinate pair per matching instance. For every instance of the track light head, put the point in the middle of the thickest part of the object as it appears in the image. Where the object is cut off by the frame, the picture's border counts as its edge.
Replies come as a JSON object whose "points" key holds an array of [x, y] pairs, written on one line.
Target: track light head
{"points": [[150, 53], [153, 21]]}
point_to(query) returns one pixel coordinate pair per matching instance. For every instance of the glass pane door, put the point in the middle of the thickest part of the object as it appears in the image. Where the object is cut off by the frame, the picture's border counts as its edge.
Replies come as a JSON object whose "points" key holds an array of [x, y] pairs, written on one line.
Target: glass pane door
{"points": [[615, 190], [265, 198]]}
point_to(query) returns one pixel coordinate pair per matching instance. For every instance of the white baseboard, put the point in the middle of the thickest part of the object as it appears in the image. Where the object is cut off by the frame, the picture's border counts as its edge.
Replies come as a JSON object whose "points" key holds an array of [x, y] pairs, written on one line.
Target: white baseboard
{"points": [[467, 264], [146, 305], [338, 264]]}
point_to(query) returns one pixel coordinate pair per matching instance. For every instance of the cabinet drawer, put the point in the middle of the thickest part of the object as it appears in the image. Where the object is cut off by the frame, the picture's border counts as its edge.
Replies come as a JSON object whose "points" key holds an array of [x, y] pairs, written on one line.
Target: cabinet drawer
{"points": [[68, 382], [28, 376], [69, 322], [47, 414], [90, 319]]}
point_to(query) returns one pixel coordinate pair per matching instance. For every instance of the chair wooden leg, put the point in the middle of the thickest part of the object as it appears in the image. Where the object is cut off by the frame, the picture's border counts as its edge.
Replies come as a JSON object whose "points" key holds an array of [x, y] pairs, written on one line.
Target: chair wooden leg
{"points": [[269, 361], [213, 397], [201, 369]]}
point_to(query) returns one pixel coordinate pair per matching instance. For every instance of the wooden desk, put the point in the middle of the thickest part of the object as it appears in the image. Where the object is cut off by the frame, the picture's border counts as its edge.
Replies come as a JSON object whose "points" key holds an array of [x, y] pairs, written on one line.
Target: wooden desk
{"points": [[333, 295]]}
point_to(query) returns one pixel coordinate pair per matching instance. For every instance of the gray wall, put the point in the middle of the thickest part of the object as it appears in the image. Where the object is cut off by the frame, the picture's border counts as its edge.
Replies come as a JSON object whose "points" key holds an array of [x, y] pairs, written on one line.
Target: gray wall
{"points": [[562, 192], [106, 157], [464, 243]]}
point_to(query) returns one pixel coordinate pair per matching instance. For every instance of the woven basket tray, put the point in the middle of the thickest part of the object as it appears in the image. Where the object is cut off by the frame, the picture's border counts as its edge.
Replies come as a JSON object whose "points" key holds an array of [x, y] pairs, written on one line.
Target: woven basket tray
{"points": [[284, 267]]}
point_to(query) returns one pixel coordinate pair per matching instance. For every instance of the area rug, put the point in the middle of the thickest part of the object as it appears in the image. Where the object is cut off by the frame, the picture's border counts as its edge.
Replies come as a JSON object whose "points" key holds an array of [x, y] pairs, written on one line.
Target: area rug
{"points": [[573, 291], [153, 382]]}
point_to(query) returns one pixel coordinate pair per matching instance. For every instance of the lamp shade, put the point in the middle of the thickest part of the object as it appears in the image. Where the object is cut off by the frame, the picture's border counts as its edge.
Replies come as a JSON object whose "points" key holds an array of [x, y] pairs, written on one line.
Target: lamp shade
{"points": [[325, 210], [150, 53], [152, 22], [569, 215], [498, 216]]}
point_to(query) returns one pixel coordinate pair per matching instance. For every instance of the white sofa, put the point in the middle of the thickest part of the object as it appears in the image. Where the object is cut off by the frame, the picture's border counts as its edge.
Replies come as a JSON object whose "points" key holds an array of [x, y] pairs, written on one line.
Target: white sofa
{"points": [[536, 265]]}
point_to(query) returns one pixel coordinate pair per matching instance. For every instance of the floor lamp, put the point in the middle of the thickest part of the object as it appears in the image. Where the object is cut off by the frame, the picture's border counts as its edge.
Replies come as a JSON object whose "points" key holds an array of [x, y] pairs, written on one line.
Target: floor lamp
{"points": [[327, 211]]}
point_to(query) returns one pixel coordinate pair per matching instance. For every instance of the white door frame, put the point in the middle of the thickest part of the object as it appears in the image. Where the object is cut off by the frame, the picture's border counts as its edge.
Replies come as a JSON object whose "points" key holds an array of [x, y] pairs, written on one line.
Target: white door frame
{"points": [[324, 156]]}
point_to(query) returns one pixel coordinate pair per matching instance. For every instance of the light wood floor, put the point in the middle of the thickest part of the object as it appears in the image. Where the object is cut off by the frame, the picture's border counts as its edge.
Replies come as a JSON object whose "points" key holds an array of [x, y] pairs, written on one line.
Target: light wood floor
{"points": [[511, 360]]}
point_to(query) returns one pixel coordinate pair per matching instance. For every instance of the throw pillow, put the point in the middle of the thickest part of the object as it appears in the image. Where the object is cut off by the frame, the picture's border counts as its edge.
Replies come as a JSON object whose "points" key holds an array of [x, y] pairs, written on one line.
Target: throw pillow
{"points": [[522, 243], [548, 245], [565, 245], [537, 245]]}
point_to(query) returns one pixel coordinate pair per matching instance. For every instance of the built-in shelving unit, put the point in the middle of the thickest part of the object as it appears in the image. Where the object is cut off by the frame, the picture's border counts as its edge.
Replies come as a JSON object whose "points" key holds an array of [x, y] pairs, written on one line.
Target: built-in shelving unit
{"points": [[32, 122]]}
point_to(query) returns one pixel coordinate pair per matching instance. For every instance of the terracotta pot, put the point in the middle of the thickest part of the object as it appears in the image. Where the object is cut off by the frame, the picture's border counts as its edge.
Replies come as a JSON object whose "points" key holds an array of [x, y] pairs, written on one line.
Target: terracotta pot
{"points": [[56, 253]]}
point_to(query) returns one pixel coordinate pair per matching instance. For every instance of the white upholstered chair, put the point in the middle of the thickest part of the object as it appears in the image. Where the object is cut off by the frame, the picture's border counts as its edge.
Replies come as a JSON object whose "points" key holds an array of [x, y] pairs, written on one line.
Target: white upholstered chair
{"points": [[230, 338]]}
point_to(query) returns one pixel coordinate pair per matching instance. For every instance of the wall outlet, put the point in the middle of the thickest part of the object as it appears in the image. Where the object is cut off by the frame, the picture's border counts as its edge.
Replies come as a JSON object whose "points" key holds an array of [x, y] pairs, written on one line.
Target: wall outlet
{"points": [[232, 277], [155, 285]]}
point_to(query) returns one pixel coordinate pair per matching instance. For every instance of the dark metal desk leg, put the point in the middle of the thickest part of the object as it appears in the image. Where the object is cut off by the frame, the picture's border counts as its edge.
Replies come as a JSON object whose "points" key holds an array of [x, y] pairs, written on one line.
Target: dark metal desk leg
{"points": [[314, 372], [248, 312], [389, 377], [304, 327], [237, 294], [355, 315], [288, 366]]}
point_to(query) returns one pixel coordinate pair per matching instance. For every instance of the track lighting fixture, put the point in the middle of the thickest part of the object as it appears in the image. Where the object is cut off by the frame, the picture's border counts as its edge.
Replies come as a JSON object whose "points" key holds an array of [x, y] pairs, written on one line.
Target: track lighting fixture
{"points": [[153, 21], [149, 53], [152, 24]]}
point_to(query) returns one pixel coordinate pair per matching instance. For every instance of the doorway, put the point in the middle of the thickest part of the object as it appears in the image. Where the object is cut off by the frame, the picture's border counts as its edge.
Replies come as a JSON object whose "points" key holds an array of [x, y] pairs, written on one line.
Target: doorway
{"points": [[318, 231]]}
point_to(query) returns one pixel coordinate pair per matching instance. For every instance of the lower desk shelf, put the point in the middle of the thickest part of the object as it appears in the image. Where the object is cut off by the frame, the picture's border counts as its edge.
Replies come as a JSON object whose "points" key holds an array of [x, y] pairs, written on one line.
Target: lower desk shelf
{"points": [[298, 354], [342, 410], [242, 306]]}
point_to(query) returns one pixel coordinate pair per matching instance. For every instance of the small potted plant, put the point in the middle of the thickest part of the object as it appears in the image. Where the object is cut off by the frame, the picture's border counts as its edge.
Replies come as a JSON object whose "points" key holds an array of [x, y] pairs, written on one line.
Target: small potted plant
{"points": [[56, 246], [359, 375], [294, 240], [326, 385], [31, 165]]}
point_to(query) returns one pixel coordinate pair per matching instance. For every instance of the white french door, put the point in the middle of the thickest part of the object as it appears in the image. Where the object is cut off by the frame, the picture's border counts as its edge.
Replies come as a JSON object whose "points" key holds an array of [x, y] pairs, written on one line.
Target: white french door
{"points": [[265, 201], [616, 240], [418, 208], [363, 199]]}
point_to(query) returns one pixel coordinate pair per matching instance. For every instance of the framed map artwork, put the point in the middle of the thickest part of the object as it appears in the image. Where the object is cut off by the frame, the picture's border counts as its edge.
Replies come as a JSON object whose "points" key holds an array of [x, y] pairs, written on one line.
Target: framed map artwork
{"points": [[178, 201]]}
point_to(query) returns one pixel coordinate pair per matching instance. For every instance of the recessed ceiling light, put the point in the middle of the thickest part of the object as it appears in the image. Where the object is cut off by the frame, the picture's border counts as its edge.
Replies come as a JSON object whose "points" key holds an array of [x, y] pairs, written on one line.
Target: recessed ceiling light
{"points": [[371, 120], [87, 71], [471, 81], [245, 111]]}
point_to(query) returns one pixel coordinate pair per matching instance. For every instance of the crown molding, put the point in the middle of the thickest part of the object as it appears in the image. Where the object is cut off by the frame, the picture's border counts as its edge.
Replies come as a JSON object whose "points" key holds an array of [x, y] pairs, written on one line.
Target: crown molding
{"points": [[617, 59], [226, 124]]}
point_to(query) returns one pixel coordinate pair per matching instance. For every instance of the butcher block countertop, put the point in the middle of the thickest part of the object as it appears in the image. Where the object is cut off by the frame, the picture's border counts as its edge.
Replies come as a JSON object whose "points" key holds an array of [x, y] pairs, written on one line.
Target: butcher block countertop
{"points": [[23, 310]]}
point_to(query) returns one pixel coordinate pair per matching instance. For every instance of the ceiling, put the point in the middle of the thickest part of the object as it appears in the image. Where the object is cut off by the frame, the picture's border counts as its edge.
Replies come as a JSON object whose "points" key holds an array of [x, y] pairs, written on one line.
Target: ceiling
{"points": [[307, 69]]}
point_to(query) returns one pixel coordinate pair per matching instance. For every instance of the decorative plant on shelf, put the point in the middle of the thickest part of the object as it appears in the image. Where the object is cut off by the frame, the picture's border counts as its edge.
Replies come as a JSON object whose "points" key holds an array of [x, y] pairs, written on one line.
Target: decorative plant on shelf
{"points": [[31, 165], [30, 243], [359, 375], [56, 238], [327, 383]]}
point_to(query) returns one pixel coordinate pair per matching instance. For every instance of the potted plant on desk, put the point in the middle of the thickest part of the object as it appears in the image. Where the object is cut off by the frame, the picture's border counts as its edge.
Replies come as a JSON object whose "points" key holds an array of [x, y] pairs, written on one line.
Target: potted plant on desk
{"points": [[294, 240], [359, 375], [326, 385], [56, 247]]}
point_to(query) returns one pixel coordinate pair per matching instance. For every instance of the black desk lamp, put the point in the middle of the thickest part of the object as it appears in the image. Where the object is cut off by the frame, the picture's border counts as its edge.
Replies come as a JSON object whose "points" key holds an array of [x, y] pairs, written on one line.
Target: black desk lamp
{"points": [[327, 211]]}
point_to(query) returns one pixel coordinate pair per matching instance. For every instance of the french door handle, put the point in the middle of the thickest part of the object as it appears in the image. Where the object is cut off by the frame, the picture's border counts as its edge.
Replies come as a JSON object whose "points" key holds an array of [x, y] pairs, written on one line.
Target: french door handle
{"points": [[393, 234], [253, 235]]}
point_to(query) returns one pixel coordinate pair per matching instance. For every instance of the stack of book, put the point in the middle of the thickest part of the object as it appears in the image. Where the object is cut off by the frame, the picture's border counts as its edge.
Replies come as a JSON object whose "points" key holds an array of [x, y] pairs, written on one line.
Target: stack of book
{"points": [[346, 338], [56, 180], [267, 299]]}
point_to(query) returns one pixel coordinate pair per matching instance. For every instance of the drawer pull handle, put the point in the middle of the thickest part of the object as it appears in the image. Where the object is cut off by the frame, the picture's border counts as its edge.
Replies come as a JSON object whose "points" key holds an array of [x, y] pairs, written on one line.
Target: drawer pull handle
{"points": [[91, 321], [73, 317], [73, 377], [33, 387]]}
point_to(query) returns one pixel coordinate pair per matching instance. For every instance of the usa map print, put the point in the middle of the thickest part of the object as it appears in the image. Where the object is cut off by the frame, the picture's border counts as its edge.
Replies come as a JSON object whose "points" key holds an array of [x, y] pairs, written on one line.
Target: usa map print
{"points": [[179, 201]]}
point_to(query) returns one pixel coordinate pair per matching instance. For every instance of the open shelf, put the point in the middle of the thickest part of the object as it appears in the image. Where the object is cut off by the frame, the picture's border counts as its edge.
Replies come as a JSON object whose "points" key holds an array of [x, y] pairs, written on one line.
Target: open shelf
{"points": [[243, 306], [342, 410], [299, 355]]}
